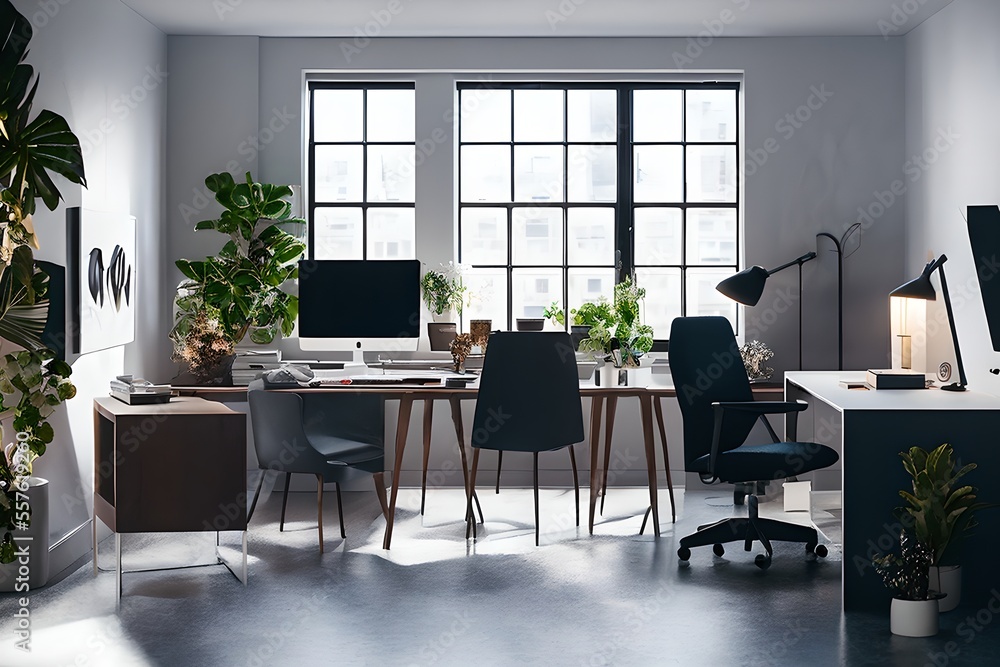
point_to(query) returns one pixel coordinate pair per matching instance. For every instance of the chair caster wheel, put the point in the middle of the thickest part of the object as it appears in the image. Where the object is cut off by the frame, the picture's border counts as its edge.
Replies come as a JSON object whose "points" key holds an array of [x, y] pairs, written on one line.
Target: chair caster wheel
{"points": [[719, 550], [762, 561], [821, 551], [683, 554]]}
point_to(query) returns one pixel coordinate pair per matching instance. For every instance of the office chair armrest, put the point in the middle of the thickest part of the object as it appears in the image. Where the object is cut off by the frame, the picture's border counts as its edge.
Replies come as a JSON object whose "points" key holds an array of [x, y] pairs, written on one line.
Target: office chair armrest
{"points": [[763, 407]]}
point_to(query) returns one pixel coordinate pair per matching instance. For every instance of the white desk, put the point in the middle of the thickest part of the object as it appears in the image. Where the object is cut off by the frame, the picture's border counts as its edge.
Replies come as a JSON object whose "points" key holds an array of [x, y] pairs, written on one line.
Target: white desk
{"points": [[870, 428]]}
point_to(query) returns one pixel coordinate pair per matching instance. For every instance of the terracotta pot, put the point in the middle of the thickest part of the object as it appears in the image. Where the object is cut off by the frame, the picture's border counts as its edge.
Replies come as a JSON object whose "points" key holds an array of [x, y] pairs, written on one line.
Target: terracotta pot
{"points": [[914, 618]]}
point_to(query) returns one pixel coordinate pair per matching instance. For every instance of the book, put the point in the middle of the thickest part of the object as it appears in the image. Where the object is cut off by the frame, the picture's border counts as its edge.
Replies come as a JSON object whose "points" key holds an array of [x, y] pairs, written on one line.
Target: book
{"points": [[895, 379]]}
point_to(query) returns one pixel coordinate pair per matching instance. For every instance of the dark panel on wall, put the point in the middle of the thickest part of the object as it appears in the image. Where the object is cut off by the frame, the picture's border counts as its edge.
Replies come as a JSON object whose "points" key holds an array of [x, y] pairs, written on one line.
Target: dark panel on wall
{"points": [[984, 234], [54, 335]]}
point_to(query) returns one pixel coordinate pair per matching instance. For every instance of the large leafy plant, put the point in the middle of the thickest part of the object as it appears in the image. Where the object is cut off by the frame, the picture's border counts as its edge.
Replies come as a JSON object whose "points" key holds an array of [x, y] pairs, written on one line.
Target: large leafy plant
{"points": [[239, 291], [443, 290], [32, 147], [938, 507]]}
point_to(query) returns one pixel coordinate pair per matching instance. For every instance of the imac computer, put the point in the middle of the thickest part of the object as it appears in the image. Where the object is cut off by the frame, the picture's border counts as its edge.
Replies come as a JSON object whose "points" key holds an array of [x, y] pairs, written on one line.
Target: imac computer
{"points": [[359, 305]]}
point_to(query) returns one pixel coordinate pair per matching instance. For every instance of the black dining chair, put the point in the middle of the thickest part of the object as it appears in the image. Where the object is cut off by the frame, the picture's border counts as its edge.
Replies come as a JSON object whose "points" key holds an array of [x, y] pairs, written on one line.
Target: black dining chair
{"points": [[719, 412], [529, 401], [290, 438]]}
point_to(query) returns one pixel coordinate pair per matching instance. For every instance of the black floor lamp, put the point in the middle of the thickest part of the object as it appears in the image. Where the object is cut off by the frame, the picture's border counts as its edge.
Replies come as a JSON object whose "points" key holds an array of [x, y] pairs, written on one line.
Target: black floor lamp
{"points": [[747, 286]]}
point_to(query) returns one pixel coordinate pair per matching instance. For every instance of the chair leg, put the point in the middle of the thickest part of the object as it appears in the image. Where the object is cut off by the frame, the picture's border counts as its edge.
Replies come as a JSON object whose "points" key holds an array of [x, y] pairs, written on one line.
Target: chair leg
{"points": [[319, 509], [470, 518], [340, 511], [535, 466], [284, 500], [499, 468], [256, 494], [379, 479], [576, 483]]}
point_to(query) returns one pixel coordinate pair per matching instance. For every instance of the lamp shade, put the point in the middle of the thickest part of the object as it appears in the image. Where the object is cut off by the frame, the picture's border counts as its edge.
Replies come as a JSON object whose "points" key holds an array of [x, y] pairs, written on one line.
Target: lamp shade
{"points": [[746, 286], [918, 288]]}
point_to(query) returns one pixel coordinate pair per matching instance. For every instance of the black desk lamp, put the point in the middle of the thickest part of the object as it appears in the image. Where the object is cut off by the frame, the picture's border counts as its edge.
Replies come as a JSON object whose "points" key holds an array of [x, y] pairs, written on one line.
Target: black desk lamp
{"points": [[921, 288], [746, 287]]}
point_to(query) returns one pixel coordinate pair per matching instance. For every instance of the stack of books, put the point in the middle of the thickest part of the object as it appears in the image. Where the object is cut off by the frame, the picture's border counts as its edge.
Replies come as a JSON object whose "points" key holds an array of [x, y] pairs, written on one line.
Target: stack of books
{"points": [[251, 364], [136, 391]]}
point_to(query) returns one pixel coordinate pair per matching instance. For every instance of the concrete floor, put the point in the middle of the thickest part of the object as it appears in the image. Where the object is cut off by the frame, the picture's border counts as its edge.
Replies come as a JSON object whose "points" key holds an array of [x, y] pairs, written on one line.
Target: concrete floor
{"points": [[616, 598]]}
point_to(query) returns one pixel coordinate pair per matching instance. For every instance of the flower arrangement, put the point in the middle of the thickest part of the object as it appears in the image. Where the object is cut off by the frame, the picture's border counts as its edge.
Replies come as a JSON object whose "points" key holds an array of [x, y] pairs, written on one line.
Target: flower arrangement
{"points": [[755, 354], [444, 290], [204, 347]]}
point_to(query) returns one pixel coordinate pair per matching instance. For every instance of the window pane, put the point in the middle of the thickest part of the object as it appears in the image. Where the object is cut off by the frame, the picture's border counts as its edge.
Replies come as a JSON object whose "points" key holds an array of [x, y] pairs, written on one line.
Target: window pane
{"points": [[591, 236], [487, 292], [391, 233], [538, 235], [663, 298], [658, 174], [538, 173], [711, 236], [711, 115], [535, 290], [711, 173], [390, 115], [704, 299], [593, 115], [337, 115], [593, 173], [656, 115], [484, 236], [391, 173], [338, 173], [485, 173], [485, 115], [658, 238], [538, 115], [590, 285], [338, 233]]}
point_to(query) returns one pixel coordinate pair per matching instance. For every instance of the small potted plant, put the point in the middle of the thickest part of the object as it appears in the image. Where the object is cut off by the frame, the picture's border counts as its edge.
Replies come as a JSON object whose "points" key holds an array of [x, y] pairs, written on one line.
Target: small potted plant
{"points": [[914, 611], [755, 357], [940, 511], [620, 338], [586, 316], [444, 293], [555, 314]]}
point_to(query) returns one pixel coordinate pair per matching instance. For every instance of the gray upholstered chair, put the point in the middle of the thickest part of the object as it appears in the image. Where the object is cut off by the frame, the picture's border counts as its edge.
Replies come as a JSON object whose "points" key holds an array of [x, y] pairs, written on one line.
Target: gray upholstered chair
{"points": [[293, 434]]}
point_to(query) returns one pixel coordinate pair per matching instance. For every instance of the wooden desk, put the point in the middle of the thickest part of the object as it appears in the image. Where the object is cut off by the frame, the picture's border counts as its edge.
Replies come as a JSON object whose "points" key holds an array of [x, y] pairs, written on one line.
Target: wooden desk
{"points": [[171, 467]]}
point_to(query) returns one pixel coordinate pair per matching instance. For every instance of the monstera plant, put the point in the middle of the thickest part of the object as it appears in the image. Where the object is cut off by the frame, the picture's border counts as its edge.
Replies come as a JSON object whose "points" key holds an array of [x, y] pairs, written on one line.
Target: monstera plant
{"points": [[238, 293], [32, 380]]}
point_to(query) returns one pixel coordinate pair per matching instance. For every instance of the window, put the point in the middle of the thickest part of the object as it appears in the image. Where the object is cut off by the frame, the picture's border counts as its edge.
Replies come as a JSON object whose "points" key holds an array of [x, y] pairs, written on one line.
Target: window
{"points": [[564, 188], [361, 171]]}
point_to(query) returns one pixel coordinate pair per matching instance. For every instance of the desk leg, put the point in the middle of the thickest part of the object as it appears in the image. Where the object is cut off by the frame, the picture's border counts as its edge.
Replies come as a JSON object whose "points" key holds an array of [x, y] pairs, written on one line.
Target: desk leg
{"points": [[658, 405], [456, 418], [596, 406], [94, 526], [609, 427], [645, 401], [118, 567], [402, 426], [428, 422]]}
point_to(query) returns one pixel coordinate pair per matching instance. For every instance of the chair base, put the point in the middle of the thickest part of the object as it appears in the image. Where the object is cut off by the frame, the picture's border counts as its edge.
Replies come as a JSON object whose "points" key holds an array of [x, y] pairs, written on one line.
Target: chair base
{"points": [[747, 530]]}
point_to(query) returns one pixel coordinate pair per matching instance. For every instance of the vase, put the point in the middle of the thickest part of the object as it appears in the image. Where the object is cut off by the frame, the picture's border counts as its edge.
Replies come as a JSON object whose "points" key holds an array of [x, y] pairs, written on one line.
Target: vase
{"points": [[639, 377], [440, 335], [946, 579], [913, 618], [608, 375], [480, 332], [35, 571], [446, 316]]}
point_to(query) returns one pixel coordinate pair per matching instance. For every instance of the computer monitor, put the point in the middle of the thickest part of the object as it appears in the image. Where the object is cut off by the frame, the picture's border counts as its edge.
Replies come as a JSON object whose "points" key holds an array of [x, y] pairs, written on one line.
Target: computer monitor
{"points": [[359, 305]]}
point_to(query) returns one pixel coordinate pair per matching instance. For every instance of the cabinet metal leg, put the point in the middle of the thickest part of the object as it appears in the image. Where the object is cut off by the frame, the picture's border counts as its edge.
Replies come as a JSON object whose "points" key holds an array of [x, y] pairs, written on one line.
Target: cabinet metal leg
{"points": [[118, 567], [94, 527]]}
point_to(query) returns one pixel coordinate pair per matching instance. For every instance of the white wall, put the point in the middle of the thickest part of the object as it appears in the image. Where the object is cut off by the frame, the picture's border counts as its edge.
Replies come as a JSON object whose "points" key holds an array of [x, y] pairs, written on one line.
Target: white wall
{"points": [[952, 70], [104, 68], [814, 179]]}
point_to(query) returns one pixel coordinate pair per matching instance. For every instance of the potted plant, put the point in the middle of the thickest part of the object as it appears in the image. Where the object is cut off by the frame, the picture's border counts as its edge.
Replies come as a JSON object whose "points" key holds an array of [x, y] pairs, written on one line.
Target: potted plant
{"points": [[238, 293], [555, 314], [914, 611], [940, 511], [444, 293], [32, 381], [586, 316], [755, 356], [620, 337]]}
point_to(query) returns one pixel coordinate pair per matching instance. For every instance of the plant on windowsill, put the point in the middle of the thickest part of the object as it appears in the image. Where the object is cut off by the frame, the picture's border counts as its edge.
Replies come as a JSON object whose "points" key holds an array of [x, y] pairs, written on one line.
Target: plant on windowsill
{"points": [[32, 381], [444, 292], [238, 293], [914, 611], [617, 333], [555, 314]]}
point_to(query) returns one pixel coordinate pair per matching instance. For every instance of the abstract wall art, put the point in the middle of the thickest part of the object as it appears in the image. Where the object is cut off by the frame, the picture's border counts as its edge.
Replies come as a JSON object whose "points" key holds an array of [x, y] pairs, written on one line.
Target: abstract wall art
{"points": [[103, 277]]}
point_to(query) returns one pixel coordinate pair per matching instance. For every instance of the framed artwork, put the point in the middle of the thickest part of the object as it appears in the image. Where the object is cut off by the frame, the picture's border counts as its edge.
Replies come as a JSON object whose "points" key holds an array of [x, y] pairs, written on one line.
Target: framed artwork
{"points": [[102, 278]]}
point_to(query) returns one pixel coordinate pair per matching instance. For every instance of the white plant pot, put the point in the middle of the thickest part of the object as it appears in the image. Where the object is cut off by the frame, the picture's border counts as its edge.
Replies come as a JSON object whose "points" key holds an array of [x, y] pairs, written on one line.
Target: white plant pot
{"points": [[608, 375], [446, 316], [914, 618], [947, 579], [639, 377], [35, 538]]}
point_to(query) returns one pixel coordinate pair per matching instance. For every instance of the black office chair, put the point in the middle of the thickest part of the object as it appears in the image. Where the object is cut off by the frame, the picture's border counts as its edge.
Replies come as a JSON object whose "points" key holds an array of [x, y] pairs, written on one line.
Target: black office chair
{"points": [[529, 401], [719, 412], [291, 439]]}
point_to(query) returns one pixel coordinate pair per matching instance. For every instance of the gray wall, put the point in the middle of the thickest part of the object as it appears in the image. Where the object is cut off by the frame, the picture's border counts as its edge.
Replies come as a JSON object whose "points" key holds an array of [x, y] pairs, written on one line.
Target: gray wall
{"points": [[814, 178], [952, 70], [104, 69]]}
